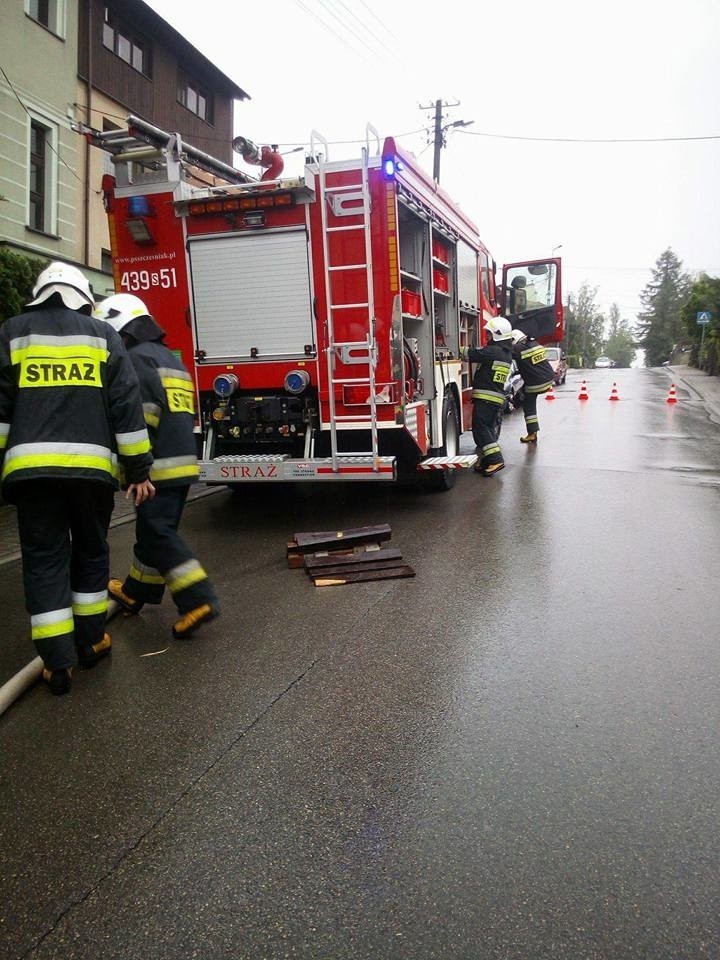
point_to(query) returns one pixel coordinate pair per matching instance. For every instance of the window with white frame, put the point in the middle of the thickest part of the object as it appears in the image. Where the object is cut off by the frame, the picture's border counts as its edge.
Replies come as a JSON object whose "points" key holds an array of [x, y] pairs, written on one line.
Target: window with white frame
{"points": [[42, 176], [195, 97], [48, 13], [126, 43]]}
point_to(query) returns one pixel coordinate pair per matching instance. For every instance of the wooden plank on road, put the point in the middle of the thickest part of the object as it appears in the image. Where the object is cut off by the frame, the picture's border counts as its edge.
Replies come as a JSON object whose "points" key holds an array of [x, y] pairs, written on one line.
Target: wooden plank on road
{"points": [[312, 541], [341, 571], [360, 576], [313, 562]]}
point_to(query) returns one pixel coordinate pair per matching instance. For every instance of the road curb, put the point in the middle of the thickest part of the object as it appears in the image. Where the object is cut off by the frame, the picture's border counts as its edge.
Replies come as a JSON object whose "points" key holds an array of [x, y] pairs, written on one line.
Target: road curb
{"points": [[690, 384]]}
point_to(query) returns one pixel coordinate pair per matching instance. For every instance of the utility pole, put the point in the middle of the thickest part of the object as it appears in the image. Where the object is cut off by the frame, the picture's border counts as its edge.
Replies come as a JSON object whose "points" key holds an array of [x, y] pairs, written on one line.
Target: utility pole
{"points": [[441, 129]]}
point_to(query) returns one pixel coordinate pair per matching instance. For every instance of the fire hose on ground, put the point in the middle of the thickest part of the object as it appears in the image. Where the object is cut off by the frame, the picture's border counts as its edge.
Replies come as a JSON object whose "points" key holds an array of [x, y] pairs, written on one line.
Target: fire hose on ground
{"points": [[31, 673]]}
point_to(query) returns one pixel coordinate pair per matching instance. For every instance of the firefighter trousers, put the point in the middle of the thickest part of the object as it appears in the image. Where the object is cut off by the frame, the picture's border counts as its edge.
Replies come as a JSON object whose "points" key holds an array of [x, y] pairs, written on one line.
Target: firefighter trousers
{"points": [[530, 412], [63, 527], [162, 558], [530, 400], [485, 420]]}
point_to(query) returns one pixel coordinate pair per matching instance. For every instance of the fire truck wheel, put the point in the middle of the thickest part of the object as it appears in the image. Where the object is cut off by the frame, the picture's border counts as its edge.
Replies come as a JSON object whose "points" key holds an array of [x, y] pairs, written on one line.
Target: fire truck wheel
{"points": [[445, 479]]}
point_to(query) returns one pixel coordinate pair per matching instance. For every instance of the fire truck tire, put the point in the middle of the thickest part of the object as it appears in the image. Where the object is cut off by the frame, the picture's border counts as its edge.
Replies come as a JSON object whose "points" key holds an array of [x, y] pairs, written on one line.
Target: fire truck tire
{"points": [[445, 479]]}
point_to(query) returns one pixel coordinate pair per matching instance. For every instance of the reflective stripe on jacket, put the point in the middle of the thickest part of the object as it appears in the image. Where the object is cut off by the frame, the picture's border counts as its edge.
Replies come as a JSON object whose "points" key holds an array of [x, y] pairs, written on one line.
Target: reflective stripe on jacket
{"points": [[491, 371], [533, 366], [168, 395], [69, 401]]}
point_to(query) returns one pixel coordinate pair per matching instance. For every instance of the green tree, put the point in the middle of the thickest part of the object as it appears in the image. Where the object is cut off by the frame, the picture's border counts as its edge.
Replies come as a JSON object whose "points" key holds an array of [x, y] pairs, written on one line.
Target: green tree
{"points": [[17, 278], [660, 326], [620, 344], [584, 325], [704, 294]]}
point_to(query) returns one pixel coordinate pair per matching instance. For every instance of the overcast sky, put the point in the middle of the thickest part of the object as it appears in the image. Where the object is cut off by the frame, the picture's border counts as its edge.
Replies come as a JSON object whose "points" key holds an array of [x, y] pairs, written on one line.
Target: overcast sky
{"points": [[564, 69]]}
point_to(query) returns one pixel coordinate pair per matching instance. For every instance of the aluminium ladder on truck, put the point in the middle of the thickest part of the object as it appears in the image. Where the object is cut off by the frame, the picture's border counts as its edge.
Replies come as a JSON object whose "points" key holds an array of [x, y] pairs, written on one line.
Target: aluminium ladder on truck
{"points": [[343, 200], [145, 143]]}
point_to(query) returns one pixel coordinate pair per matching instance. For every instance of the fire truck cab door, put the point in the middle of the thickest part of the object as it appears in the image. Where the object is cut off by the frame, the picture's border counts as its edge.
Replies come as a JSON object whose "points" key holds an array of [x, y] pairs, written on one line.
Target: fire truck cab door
{"points": [[531, 298]]}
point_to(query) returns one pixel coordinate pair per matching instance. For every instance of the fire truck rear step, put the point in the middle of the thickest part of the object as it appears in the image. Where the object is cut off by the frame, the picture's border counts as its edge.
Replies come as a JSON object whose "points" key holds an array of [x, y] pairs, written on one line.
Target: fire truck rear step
{"points": [[462, 462], [274, 468]]}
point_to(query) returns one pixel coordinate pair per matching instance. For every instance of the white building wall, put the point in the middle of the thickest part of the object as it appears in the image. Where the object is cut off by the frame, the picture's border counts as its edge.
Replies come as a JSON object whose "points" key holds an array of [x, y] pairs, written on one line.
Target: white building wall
{"points": [[37, 82]]}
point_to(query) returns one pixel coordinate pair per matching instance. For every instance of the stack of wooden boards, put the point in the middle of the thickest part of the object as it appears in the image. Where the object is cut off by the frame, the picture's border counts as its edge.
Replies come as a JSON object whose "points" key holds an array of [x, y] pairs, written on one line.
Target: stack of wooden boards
{"points": [[333, 558]]}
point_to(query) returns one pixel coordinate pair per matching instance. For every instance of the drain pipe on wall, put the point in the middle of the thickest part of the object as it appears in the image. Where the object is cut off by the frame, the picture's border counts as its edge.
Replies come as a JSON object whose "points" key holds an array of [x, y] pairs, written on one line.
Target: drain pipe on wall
{"points": [[88, 120]]}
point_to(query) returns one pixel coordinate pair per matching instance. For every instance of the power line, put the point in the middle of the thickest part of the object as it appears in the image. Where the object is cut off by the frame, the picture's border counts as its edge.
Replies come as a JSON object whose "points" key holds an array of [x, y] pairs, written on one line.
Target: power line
{"points": [[381, 22], [290, 143], [426, 147], [366, 27], [294, 143], [116, 116], [572, 266], [328, 27], [341, 143], [395, 136], [343, 23], [47, 141], [507, 136]]}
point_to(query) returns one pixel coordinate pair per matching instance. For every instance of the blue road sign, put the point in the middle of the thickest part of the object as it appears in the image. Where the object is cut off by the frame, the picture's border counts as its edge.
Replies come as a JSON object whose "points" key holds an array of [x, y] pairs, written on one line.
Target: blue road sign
{"points": [[704, 316]]}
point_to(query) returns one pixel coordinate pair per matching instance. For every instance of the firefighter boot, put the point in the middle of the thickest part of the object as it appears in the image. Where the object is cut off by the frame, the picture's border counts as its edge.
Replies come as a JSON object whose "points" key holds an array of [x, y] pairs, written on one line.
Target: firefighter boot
{"points": [[89, 655], [59, 681], [492, 468], [193, 619], [126, 603], [530, 438]]}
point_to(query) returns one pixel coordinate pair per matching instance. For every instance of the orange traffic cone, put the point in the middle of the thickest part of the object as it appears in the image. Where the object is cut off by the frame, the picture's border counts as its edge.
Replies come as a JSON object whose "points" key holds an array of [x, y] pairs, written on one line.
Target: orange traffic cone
{"points": [[550, 395], [614, 392], [672, 395], [583, 395]]}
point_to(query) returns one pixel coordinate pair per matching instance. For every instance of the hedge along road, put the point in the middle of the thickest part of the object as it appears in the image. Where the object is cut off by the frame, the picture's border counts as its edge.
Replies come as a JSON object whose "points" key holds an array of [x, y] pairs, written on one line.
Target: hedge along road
{"points": [[514, 754]]}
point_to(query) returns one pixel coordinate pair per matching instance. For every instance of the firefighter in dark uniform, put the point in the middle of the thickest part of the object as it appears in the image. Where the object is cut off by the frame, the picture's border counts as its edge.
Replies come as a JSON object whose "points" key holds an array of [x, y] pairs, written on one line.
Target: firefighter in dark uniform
{"points": [[537, 374], [70, 418], [491, 372], [162, 558]]}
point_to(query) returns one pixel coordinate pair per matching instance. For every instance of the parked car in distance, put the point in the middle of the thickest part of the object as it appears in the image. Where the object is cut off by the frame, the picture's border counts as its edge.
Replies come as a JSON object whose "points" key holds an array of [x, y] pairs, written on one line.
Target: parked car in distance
{"points": [[603, 362], [557, 361]]}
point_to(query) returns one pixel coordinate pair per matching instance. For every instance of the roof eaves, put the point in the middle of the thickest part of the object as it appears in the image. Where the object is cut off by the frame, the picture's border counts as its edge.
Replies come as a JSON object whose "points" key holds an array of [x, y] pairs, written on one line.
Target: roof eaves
{"points": [[157, 27]]}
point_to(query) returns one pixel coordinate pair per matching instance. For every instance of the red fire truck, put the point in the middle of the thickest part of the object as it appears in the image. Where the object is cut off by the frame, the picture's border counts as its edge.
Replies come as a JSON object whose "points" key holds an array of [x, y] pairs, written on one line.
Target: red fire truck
{"points": [[322, 315]]}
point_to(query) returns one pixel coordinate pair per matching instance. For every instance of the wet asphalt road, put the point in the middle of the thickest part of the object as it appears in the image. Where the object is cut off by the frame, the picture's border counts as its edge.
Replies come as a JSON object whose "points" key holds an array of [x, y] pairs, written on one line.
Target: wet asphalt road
{"points": [[514, 755]]}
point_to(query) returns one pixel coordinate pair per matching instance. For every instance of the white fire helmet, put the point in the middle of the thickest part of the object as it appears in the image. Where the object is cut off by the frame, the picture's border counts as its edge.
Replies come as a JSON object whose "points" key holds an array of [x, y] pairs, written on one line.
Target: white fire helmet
{"points": [[518, 335], [499, 327], [69, 282], [119, 309]]}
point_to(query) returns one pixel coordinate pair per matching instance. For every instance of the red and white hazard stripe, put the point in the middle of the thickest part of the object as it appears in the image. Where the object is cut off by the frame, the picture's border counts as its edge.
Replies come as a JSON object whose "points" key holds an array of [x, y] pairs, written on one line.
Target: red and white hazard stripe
{"points": [[448, 463]]}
